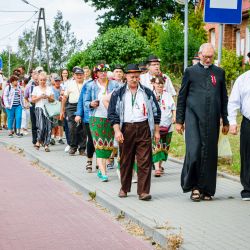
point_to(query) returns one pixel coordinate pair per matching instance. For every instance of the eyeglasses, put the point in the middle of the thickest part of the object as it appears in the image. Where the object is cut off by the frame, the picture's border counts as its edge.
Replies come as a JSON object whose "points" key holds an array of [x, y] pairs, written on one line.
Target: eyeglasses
{"points": [[207, 57]]}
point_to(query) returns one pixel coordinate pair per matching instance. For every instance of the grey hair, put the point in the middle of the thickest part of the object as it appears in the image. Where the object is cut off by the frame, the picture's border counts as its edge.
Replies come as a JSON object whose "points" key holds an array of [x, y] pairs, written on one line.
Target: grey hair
{"points": [[206, 45]]}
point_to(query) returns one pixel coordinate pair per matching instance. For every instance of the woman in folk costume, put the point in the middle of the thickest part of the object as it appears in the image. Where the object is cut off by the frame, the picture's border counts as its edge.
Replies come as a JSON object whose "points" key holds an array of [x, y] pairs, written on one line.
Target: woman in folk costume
{"points": [[168, 114], [101, 130]]}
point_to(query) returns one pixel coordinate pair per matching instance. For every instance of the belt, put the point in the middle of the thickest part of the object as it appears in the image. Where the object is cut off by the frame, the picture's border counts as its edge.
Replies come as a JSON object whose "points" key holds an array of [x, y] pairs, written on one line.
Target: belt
{"points": [[135, 123]]}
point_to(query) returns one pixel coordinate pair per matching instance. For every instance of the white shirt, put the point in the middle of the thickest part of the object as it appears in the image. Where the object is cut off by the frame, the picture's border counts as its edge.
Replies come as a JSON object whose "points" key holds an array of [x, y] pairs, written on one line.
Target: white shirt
{"points": [[101, 111], [167, 105], [145, 79], [73, 91], [38, 92], [240, 98], [136, 111]]}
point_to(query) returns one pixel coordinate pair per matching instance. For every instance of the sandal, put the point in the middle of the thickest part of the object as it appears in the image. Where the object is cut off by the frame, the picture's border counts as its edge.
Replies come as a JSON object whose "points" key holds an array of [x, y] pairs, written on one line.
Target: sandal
{"points": [[206, 197], [157, 173], [89, 166], [37, 147], [162, 169], [47, 149], [195, 195]]}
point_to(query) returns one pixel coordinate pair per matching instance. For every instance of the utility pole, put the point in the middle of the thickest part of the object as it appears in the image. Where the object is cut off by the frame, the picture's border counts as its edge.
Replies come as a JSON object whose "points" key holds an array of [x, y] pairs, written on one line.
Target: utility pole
{"points": [[41, 16]]}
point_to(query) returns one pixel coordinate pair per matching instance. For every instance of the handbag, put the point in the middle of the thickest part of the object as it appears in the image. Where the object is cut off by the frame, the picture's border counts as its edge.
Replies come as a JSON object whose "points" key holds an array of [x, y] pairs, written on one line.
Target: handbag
{"points": [[164, 131], [52, 108]]}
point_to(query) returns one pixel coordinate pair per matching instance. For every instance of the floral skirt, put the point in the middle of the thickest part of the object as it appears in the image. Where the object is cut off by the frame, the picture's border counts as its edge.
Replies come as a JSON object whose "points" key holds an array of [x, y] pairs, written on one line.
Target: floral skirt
{"points": [[160, 151], [103, 136]]}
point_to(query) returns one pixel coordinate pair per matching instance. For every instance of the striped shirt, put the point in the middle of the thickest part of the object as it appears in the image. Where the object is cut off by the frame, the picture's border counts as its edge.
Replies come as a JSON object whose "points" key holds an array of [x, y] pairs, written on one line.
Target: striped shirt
{"points": [[16, 101]]}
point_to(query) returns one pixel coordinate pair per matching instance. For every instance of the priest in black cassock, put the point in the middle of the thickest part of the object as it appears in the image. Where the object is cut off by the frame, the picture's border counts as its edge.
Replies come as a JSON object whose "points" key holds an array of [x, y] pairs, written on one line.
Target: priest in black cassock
{"points": [[202, 101]]}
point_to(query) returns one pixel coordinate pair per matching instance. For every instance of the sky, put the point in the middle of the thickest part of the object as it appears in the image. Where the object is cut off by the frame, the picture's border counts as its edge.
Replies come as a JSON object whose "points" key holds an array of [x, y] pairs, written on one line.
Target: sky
{"points": [[80, 15]]}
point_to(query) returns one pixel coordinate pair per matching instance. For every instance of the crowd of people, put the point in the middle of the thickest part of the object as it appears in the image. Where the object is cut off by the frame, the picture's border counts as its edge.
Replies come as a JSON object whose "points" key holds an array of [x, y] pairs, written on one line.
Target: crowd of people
{"points": [[127, 115]]}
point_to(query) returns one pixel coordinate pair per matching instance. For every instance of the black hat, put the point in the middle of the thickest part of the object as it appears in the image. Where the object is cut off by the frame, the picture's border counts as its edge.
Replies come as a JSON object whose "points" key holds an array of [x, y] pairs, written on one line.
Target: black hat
{"points": [[142, 66], [132, 68], [153, 58], [196, 57], [118, 66], [79, 71]]}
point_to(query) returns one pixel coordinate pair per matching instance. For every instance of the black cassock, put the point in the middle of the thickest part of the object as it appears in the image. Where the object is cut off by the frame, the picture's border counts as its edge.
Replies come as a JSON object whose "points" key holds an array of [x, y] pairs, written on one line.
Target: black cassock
{"points": [[202, 101]]}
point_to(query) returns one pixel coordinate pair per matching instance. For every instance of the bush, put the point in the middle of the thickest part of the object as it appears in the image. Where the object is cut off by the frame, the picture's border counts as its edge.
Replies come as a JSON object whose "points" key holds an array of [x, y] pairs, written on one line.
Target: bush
{"points": [[231, 63], [120, 45]]}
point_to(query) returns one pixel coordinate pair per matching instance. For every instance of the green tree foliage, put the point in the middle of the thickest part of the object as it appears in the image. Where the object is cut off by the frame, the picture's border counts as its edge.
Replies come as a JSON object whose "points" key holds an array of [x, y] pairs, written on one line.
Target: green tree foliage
{"points": [[232, 64], [152, 32], [15, 61], [120, 45], [118, 13], [171, 46]]}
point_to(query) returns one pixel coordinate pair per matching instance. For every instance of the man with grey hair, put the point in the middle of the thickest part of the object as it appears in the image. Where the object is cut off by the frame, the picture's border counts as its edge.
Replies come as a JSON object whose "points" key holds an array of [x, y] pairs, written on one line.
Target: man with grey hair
{"points": [[202, 102]]}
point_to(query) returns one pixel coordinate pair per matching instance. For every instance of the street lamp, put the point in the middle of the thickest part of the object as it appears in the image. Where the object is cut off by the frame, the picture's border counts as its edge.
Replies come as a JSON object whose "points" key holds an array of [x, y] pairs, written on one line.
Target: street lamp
{"points": [[185, 2]]}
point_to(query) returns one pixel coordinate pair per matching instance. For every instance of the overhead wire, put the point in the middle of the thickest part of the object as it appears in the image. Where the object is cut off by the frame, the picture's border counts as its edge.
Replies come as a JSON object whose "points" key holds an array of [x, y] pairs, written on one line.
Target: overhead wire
{"points": [[2, 38]]}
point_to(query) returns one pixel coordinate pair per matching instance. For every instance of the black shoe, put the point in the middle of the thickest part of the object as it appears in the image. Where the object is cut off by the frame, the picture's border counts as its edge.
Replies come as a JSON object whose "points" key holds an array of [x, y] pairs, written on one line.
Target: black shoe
{"points": [[52, 141], [19, 135], [10, 135], [61, 141], [72, 151]]}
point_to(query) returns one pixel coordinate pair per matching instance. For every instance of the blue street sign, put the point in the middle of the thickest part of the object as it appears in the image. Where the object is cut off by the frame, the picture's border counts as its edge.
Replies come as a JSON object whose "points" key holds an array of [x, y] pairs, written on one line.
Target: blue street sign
{"points": [[1, 63], [223, 11]]}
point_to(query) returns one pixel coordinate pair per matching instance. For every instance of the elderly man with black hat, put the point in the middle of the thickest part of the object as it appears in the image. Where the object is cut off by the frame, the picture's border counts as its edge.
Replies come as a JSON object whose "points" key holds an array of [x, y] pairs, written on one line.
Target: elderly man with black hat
{"points": [[77, 131], [135, 115], [153, 65], [118, 74]]}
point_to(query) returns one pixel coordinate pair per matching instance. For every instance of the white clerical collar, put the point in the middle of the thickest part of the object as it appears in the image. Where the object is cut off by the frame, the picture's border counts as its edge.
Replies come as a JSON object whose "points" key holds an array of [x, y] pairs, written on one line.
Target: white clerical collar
{"points": [[205, 66]]}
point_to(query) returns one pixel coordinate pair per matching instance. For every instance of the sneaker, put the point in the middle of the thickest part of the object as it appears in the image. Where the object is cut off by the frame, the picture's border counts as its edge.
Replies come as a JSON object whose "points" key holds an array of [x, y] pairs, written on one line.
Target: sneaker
{"points": [[246, 199], [19, 135], [10, 136], [52, 141], [66, 150], [61, 141], [99, 174], [104, 178], [82, 152]]}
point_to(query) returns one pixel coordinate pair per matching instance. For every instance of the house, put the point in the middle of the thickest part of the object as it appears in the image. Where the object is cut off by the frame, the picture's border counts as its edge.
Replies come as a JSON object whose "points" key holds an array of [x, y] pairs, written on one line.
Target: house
{"points": [[235, 37]]}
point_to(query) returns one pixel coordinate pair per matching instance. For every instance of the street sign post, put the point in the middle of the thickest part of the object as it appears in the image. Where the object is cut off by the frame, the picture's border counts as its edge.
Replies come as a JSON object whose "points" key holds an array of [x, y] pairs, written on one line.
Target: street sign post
{"points": [[223, 11]]}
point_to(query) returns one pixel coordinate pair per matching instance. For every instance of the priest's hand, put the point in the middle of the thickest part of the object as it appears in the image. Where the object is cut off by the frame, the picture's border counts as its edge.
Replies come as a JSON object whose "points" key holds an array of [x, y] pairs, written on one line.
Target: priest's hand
{"points": [[179, 128], [233, 129], [225, 129]]}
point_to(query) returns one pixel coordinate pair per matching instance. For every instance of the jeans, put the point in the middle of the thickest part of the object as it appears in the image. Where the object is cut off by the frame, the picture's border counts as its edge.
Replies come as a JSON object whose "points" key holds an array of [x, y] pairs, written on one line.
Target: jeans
{"points": [[15, 113]]}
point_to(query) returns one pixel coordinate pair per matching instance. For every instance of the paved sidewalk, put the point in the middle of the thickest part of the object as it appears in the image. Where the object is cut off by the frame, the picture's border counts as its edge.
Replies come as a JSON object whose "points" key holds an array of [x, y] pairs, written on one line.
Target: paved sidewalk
{"points": [[223, 223], [39, 212]]}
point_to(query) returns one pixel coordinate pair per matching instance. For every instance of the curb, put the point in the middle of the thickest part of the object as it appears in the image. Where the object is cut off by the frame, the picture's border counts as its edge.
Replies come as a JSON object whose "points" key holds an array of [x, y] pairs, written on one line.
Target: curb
{"points": [[219, 173], [105, 200]]}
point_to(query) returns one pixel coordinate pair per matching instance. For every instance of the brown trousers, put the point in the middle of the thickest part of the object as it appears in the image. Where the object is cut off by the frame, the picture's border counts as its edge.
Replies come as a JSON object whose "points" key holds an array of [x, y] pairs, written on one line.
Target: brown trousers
{"points": [[137, 143]]}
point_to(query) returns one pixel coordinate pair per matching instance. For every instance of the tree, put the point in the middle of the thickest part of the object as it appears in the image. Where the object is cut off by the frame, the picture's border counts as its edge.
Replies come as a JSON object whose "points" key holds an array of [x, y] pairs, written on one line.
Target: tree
{"points": [[62, 42], [171, 45], [118, 13], [15, 61], [120, 45]]}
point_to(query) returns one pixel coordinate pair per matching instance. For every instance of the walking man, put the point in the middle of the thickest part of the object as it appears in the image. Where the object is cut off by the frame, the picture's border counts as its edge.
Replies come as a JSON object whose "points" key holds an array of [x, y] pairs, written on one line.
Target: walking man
{"points": [[77, 131], [240, 100], [202, 101], [135, 115], [154, 65]]}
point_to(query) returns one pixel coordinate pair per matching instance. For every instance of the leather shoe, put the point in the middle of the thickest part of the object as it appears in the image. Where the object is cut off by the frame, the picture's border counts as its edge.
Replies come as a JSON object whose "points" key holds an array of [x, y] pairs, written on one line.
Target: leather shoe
{"points": [[145, 197], [122, 194]]}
